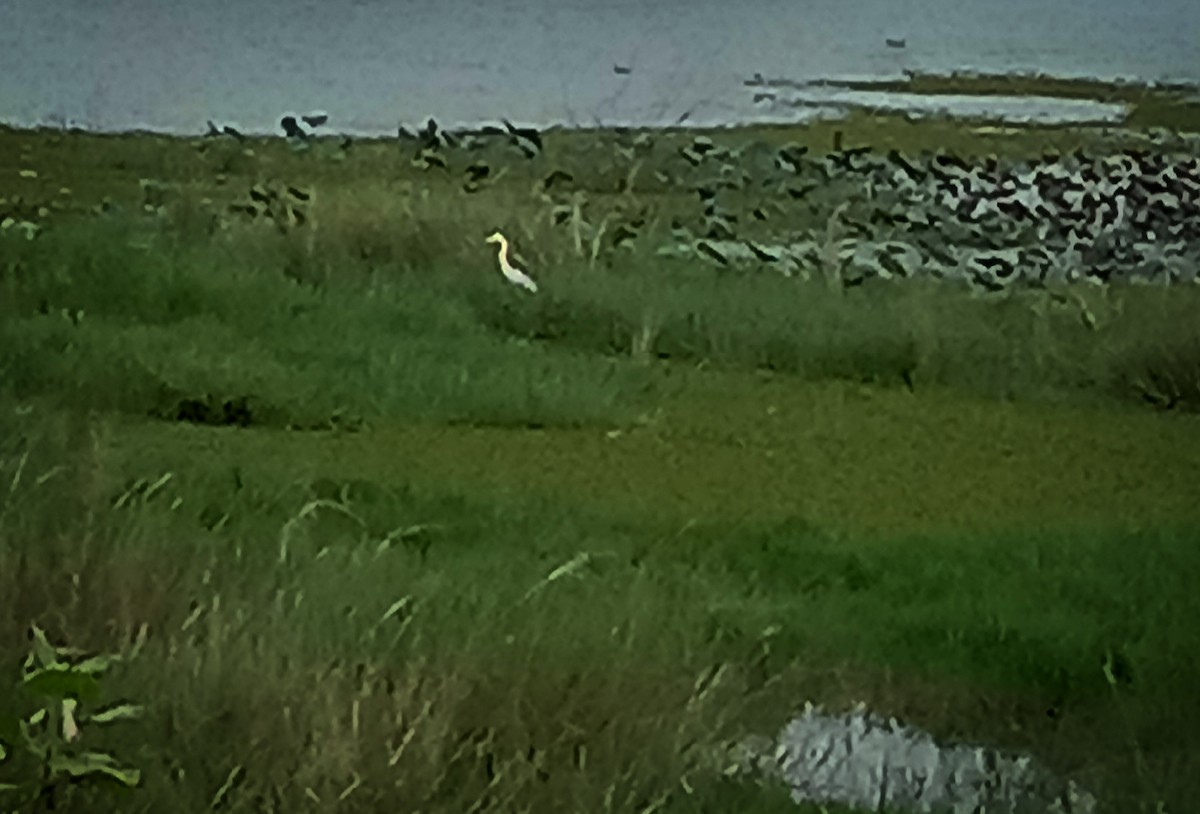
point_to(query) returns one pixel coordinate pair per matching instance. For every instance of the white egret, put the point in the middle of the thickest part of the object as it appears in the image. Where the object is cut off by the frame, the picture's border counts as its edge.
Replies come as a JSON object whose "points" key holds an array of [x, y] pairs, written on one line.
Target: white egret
{"points": [[511, 273]]}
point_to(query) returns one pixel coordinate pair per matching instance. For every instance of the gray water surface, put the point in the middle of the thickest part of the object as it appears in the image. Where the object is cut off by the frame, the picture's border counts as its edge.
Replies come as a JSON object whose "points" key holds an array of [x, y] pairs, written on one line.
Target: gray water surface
{"points": [[167, 65], [870, 763]]}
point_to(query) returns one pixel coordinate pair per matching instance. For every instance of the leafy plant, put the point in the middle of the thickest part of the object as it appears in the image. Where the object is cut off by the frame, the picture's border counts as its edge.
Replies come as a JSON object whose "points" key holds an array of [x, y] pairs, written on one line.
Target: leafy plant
{"points": [[44, 752]]}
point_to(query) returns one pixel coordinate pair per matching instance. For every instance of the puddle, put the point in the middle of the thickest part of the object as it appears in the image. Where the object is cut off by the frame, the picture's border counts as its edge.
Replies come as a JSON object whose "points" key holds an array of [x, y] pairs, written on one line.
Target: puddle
{"points": [[866, 761]]}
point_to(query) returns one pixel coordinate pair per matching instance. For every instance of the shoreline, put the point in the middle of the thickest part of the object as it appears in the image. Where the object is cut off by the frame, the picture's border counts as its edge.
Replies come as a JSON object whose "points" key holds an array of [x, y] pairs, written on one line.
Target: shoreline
{"points": [[1150, 103]]}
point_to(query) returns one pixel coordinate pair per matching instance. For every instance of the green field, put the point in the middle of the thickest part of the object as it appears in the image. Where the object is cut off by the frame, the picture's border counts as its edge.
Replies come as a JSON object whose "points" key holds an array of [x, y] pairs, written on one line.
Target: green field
{"points": [[377, 531]]}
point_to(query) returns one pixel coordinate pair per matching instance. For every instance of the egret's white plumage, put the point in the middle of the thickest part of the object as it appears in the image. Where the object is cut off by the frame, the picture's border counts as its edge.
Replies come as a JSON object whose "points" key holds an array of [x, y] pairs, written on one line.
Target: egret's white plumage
{"points": [[511, 272]]}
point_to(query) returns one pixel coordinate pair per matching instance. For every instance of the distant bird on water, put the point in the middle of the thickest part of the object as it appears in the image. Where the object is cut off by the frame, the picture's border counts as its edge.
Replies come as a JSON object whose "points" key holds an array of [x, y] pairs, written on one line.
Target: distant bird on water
{"points": [[895, 43], [511, 273]]}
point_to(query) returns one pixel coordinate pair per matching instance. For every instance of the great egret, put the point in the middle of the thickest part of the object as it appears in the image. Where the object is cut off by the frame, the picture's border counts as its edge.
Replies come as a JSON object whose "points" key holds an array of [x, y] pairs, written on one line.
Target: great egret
{"points": [[510, 272]]}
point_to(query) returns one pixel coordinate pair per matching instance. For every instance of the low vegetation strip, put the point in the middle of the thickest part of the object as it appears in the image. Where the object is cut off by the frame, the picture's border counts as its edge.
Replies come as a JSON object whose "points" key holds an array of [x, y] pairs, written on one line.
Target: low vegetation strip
{"points": [[851, 460]]}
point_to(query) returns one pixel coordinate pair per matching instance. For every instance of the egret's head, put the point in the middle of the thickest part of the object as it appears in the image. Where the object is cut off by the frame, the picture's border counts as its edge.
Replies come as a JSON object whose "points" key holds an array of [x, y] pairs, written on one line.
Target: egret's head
{"points": [[495, 237]]}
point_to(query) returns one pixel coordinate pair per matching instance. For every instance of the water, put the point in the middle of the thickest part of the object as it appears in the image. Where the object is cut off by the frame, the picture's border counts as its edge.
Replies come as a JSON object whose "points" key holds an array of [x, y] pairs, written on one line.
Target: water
{"points": [[1023, 109], [869, 762], [371, 63]]}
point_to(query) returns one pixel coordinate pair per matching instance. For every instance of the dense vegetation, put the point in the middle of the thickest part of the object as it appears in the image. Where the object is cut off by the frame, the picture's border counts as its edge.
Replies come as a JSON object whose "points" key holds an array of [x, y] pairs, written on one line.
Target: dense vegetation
{"points": [[375, 531]]}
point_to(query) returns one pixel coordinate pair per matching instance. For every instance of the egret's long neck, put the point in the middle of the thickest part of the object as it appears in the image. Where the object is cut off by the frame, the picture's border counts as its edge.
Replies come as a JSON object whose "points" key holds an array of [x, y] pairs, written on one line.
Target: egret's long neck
{"points": [[503, 249]]}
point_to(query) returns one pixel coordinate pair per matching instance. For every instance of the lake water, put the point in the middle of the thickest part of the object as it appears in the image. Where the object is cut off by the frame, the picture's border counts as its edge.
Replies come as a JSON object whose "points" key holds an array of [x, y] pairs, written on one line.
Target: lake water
{"points": [[170, 66]]}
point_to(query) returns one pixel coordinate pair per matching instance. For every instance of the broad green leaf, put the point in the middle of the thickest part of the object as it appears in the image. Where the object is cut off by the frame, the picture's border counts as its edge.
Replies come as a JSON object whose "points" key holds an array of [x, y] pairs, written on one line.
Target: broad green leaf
{"points": [[97, 664], [96, 763], [125, 776], [121, 712], [61, 681], [88, 761]]}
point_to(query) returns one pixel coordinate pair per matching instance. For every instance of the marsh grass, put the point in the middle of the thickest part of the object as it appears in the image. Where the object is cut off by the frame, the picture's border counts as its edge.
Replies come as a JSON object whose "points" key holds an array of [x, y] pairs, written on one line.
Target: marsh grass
{"points": [[1162, 364], [327, 635], [230, 322], [405, 248], [352, 646]]}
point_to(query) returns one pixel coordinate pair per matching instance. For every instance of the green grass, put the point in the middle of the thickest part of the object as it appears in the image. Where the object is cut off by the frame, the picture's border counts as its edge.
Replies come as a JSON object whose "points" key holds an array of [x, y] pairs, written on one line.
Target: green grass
{"points": [[277, 607], [134, 322], [559, 549], [171, 320]]}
